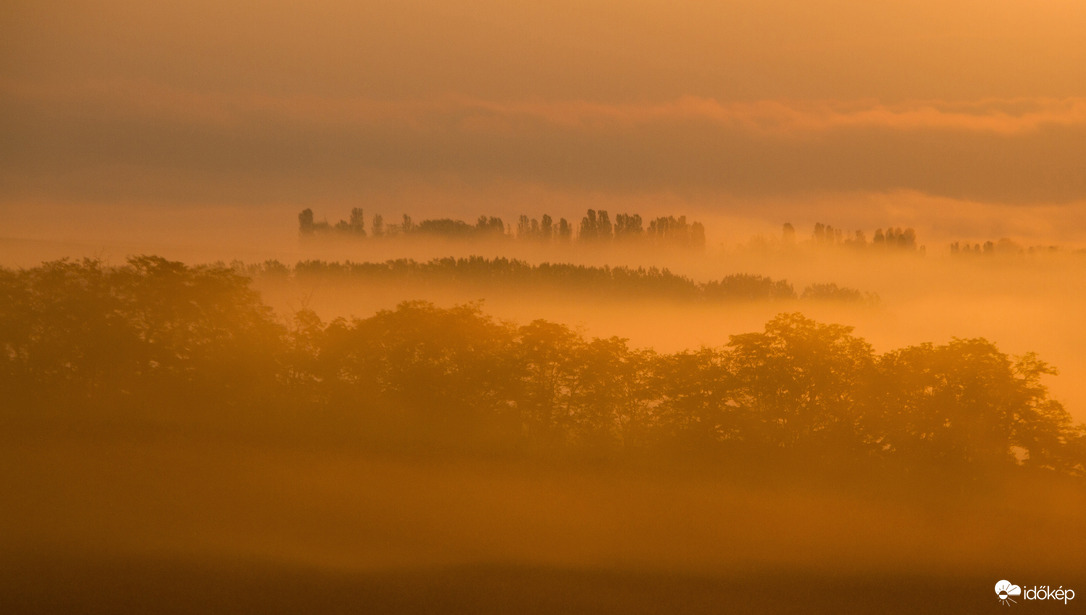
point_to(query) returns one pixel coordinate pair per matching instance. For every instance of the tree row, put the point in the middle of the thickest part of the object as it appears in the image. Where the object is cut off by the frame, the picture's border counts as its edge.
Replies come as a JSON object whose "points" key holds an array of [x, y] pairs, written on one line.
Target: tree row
{"points": [[153, 335], [615, 282], [596, 227]]}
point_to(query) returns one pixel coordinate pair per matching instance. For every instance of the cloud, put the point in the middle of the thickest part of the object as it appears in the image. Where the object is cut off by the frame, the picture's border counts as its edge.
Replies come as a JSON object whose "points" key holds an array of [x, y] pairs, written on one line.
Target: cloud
{"points": [[125, 139]]}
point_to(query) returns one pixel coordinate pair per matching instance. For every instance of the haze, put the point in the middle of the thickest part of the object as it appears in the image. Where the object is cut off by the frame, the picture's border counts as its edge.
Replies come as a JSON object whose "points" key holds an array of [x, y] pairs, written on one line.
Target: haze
{"points": [[319, 445], [738, 108]]}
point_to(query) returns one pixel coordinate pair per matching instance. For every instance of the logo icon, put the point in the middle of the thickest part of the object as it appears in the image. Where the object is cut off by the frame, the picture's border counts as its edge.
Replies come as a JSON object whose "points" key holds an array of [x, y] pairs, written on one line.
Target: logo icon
{"points": [[1004, 590]]}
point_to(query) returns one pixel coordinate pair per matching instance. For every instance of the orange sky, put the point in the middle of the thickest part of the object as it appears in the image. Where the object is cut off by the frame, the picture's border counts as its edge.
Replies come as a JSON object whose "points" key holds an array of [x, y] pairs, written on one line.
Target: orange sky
{"points": [[724, 106]]}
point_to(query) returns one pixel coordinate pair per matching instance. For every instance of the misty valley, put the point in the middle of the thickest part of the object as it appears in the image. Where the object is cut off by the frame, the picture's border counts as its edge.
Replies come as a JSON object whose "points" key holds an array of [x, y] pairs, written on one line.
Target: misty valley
{"points": [[305, 432], [664, 307]]}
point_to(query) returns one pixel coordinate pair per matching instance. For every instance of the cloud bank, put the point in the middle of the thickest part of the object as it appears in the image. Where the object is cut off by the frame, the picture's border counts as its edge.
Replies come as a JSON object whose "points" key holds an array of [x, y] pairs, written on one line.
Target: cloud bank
{"points": [[120, 140]]}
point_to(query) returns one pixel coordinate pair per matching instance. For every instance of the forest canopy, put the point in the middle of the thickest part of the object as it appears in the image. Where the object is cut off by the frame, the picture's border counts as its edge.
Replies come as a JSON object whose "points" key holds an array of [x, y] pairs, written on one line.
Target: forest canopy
{"points": [[618, 281], [159, 337]]}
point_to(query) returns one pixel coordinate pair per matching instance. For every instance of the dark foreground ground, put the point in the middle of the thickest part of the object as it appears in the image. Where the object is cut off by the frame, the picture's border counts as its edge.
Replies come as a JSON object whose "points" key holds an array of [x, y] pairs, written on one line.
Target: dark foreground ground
{"points": [[37, 585], [166, 523]]}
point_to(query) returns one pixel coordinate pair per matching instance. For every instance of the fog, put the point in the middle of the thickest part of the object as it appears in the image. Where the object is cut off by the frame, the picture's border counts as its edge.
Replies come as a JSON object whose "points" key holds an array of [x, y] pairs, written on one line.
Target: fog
{"points": [[251, 361], [146, 522], [284, 489], [1024, 303]]}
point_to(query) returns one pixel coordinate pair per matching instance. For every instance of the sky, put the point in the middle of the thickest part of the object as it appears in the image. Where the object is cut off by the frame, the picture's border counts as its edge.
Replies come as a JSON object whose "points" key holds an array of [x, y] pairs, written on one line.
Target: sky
{"points": [[967, 117]]}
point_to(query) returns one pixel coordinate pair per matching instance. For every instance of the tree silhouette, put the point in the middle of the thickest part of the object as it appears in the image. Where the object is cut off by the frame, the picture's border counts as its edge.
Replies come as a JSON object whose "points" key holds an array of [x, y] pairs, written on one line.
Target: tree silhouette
{"points": [[800, 380], [157, 337], [305, 221], [358, 222]]}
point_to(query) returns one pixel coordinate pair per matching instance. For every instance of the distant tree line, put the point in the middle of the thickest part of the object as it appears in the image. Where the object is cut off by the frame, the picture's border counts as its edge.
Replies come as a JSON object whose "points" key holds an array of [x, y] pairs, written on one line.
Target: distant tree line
{"points": [[618, 282], [596, 227], [823, 235], [153, 336], [1004, 247]]}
